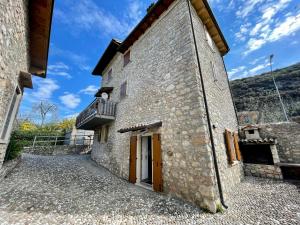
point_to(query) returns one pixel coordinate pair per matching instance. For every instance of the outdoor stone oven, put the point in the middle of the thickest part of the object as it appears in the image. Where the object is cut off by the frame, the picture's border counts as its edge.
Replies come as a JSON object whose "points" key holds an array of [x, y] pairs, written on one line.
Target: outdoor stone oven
{"points": [[260, 155]]}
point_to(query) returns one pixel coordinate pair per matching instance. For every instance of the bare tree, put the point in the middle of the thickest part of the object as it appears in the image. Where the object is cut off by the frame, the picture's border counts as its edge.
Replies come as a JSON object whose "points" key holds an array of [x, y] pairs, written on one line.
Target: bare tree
{"points": [[43, 109]]}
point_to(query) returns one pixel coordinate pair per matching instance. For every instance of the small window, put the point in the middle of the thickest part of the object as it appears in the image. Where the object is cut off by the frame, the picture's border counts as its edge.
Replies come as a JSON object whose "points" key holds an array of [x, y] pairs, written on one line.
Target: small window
{"points": [[104, 134], [99, 134], [126, 58], [109, 75], [251, 131], [123, 90], [208, 38], [214, 71]]}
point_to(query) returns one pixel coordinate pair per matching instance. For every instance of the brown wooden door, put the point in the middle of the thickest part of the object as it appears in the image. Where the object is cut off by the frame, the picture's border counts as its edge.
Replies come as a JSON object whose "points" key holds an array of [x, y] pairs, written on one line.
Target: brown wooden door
{"points": [[132, 159], [157, 164]]}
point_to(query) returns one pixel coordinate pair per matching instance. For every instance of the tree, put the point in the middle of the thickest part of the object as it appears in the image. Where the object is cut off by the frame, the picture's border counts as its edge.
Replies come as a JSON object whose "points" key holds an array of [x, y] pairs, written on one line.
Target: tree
{"points": [[67, 124], [43, 109], [27, 126]]}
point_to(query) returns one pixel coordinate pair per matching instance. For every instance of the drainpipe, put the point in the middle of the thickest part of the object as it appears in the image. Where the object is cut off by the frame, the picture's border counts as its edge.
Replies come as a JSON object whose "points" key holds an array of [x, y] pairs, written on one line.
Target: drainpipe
{"points": [[207, 113]]}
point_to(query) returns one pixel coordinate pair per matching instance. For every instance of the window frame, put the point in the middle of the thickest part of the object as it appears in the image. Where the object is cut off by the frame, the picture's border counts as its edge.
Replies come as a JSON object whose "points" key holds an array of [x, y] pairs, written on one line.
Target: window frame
{"points": [[209, 39], [213, 68], [104, 134], [126, 58], [109, 75], [11, 114], [123, 91]]}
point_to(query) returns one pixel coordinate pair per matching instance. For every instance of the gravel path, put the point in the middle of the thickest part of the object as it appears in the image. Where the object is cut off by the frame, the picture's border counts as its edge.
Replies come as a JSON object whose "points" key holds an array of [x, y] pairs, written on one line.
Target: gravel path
{"points": [[73, 190]]}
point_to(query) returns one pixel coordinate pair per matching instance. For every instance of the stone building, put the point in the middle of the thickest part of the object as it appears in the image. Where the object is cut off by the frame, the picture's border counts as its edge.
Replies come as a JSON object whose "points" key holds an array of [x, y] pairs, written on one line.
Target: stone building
{"points": [[24, 41], [165, 104]]}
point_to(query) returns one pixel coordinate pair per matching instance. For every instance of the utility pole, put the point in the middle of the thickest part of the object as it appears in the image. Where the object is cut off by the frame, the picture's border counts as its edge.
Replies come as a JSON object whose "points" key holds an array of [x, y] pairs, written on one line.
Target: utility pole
{"points": [[281, 102]]}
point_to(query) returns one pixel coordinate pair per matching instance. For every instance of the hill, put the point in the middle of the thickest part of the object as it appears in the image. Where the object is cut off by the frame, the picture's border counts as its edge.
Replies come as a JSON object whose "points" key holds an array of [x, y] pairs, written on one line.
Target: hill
{"points": [[258, 93]]}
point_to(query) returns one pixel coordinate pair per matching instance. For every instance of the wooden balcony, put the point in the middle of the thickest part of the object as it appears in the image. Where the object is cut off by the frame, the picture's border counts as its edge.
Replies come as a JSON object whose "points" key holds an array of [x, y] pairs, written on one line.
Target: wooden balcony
{"points": [[99, 112]]}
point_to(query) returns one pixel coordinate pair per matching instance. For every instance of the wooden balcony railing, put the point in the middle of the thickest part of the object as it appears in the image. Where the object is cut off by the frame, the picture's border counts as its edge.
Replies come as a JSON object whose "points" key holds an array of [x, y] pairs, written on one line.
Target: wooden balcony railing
{"points": [[99, 112]]}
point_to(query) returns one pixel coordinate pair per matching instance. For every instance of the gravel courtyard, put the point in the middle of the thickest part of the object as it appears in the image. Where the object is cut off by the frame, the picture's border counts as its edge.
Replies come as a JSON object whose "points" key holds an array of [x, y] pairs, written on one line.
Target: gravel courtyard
{"points": [[73, 190]]}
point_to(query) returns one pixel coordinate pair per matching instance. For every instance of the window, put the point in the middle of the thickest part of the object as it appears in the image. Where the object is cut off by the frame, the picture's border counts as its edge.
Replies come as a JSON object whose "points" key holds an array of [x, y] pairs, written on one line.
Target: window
{"points": [[214, 71], [104, 134], [123, 90], [232, 146], [208, 38], [99, 134], [109, 75], [126, 58], [11, 114]]}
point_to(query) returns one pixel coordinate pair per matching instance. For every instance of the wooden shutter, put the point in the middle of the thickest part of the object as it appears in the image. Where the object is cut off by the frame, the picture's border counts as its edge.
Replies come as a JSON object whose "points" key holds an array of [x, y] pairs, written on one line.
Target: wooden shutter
{"points": [[229, 147], [237, 147], [132, 159], [126, 58], [157, 164], [123, 91]]}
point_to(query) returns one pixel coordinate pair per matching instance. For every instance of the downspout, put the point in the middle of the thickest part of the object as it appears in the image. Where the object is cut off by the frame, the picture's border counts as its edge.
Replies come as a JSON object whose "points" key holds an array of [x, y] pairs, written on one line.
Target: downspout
{"points": [[207, 113]]}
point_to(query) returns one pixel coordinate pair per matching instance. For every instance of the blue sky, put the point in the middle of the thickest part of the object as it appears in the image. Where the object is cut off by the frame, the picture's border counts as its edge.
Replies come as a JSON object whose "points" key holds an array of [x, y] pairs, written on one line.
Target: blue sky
{"points": [[81, 30]]}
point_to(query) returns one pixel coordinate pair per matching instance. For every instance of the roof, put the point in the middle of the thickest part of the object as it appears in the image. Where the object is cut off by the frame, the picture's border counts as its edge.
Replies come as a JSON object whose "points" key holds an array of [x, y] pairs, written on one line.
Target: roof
{"points": [[104, 89], [108, 55], [259, 141], [250, 127], [40, 17], [203, 10], [141, 127]]}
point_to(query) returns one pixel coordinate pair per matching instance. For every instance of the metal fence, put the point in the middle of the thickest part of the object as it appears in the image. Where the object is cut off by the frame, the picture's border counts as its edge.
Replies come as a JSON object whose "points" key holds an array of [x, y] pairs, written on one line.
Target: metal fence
{"points": [[73, 140]]}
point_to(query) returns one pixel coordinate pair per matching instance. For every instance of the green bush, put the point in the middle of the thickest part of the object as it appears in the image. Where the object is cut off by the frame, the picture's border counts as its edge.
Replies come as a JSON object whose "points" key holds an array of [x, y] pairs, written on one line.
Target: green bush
{"points": [[14, 148], [20, 139]]}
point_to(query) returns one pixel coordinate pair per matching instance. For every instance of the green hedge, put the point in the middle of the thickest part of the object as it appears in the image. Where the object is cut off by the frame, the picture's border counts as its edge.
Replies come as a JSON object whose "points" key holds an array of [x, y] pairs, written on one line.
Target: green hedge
{"points": [[20, 139]]}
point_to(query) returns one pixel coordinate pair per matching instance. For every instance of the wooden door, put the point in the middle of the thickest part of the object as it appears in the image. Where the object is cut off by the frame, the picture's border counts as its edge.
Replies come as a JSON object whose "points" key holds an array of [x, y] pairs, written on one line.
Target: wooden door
{"points": [[157, 164], [132, 159]]}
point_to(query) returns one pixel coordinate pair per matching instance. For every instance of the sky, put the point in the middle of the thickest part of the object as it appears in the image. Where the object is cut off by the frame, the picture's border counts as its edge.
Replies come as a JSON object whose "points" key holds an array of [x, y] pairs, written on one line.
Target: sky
{"points": [[82, 29]]}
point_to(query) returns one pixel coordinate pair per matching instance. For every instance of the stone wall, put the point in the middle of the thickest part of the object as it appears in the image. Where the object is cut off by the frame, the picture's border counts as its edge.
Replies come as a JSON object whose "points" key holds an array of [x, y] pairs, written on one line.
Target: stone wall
{"points": [[13, 55], [288, 137], [163, 85], [220, 103], [260, 170], [58, 150]]}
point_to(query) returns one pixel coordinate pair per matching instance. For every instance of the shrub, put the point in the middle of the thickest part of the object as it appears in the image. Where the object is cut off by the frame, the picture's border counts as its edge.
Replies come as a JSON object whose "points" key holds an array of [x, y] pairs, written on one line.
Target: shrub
{"points": [[14, 148]]}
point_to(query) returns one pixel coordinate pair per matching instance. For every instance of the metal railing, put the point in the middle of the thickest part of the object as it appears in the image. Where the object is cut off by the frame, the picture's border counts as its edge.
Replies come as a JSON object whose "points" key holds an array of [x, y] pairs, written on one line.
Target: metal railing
{"points": [[43, 141], [99, 107]]}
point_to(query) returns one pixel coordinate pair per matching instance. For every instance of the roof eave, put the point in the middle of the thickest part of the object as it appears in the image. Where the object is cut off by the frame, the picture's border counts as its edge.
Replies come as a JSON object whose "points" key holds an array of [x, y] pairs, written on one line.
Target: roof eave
{"points": [[40, 20]]}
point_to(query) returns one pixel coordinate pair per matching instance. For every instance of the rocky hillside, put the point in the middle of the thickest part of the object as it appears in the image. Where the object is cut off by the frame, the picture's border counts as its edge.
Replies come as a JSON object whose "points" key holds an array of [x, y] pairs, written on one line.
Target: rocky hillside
{"points": [[258, 93]]}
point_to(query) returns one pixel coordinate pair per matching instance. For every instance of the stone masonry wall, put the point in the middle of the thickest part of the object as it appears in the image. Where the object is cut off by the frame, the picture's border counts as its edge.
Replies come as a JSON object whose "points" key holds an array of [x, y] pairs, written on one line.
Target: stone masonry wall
{"points": [[58, 150], [13, 54], [288, 137], [162, 85], [259, 170], [220, 103]]}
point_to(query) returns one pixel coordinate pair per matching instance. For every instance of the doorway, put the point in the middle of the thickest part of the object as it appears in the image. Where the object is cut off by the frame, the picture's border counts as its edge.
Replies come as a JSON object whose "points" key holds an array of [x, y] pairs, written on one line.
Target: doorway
{"points": [[146, 160]]}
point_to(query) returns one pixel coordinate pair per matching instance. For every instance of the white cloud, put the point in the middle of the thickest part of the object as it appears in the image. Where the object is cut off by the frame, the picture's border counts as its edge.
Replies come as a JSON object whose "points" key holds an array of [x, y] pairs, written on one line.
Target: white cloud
{"points": [[91, 18], [79, 60], [45, 89], [59, 69], [234, 71], [89, 90], [246, 8], [71, 101], [71, 116], [280, 30], [257, 68], [287, 27], [274, 7]]}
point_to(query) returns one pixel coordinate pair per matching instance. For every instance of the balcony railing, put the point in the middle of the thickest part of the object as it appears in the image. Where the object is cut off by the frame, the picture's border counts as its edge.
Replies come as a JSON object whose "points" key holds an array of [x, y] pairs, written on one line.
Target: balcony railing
{"points": [[98, 113]]}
